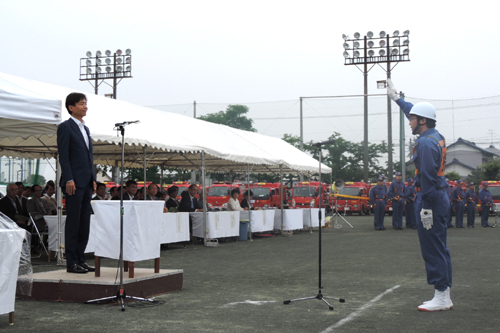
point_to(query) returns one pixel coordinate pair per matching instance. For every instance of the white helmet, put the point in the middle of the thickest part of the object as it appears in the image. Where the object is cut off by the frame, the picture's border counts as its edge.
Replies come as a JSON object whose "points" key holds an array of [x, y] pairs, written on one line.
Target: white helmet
{"points": [[424, 109]]}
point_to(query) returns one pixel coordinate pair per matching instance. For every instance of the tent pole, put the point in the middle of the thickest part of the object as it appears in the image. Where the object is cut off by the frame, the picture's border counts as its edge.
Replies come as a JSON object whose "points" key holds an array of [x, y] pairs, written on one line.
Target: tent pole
{"points": [[145, 164], [281, 191], [204, 198], [59, 213], [249, 204]]}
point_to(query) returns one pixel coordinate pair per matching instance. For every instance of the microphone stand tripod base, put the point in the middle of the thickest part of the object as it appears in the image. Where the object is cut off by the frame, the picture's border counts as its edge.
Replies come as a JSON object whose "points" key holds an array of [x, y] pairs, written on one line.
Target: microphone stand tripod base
{"points": [[319, 296]]}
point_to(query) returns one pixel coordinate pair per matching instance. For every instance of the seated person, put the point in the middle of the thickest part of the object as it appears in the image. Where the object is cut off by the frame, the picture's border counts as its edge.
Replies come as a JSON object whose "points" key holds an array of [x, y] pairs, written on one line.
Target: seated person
{"points": [[100, 192], [234, 203], [36, 208], [152, 191], [130, 191], [10, 206], [172, 205], [140, 194], [188, 200], [24, 199], [246, 203], [113, 192], [20, 190], [49, 200]]}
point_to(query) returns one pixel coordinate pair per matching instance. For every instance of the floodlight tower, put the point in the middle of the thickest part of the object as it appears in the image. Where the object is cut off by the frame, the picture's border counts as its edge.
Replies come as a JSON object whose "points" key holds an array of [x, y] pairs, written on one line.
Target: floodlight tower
{"points": [[118, 66], [391, 50]]}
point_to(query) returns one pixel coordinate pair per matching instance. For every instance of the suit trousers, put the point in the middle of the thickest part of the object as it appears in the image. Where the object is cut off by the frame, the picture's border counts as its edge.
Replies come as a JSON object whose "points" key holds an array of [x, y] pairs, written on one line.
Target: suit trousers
{"points": [[78, 210], [471, 214]]}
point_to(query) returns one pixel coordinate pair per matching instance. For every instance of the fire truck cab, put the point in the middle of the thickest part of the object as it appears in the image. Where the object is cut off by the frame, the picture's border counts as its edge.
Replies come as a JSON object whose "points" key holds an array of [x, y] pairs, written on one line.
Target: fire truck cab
{"points": [[267, 195], [220, 193], [352, 205], [306, 195]]}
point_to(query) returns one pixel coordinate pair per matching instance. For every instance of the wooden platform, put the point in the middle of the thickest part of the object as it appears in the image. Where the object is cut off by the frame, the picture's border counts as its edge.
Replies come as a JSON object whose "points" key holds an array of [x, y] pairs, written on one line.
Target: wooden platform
{"points": [[62, 286]]}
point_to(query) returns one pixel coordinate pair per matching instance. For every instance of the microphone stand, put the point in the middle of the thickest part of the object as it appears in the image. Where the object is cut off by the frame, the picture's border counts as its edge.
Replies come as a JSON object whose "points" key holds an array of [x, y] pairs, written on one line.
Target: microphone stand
{"points": [[121, 295], [319, 296]]}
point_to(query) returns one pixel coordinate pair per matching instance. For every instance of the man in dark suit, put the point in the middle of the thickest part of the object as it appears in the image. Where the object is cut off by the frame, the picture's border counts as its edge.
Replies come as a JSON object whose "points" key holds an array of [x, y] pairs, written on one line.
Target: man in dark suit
{"points": [[74, 146], [190, 203], [130, 191], [10, 206]]}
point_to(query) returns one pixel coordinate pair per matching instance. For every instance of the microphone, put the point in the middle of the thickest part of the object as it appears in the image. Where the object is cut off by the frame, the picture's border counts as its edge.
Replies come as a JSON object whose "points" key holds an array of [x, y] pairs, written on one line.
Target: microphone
{"points": [[127, 123], [327, 142]]}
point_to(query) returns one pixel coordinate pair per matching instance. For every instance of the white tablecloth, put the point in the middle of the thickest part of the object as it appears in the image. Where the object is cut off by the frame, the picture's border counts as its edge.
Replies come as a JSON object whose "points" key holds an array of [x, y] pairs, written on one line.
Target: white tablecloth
{"points": [[51, 221], [261, 220], [292, 219], [11, 243], [141, 229], [174, 228], [219, 224], [313, 213]]}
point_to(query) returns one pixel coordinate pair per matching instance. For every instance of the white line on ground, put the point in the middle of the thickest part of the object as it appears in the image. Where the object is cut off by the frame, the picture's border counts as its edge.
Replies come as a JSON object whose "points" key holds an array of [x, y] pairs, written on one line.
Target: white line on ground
{"points": [[248, 302], [358, 312]]}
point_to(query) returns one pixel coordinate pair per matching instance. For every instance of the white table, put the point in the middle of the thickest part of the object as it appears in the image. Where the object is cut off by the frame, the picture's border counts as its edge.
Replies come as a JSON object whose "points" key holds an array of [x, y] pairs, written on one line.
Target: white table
{"points": [[11, 243], [219, 224], [174, 228], [292, 219], [51, 221], [261, 220], [313, 213]]}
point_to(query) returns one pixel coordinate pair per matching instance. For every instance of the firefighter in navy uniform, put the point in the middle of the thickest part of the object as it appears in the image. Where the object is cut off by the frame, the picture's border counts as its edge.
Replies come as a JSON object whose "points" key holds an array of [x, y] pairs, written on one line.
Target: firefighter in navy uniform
{"points": [[486, 204], [471, 199], [378, 198], [410, 205], [458, 197], [397, 195], [431, 202]]}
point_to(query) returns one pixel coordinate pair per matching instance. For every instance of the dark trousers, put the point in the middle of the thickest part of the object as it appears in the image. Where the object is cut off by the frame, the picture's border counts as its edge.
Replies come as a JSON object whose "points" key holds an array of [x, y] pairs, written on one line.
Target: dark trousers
{"points": [[378, 214], [485, 213], [471, 214], [450, 216], [459, 213], [410, 215], [433, 242], [77, 229], [397, 213]]}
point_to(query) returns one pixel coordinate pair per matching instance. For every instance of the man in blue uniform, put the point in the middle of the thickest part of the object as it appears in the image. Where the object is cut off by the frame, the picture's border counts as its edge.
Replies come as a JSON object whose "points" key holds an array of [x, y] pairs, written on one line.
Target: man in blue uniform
{"points": [[378, 197], [486, 203], [450, 216], [431, 202], [471, 199], [410, 205], [458, 197], [397, 196]]}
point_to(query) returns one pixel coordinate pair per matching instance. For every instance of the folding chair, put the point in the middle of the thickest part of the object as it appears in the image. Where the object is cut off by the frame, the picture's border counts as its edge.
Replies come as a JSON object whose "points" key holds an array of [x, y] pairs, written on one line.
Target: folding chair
{"points": [[40, 235]]}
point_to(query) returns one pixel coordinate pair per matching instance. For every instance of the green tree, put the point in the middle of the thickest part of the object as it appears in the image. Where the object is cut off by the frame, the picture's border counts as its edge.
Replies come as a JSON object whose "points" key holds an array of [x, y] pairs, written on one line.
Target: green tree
{"points": [[491, 169], [234, 116], [453, 175], [35, 179], [152, 174]]}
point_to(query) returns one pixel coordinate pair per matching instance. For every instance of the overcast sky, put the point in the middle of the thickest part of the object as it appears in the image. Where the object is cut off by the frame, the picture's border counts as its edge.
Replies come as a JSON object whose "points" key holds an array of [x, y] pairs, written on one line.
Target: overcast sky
{"points": [[264, 51]]}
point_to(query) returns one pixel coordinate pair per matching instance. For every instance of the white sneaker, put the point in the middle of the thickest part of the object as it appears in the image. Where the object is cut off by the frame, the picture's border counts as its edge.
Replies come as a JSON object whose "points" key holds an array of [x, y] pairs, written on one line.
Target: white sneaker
{"points": [[440, 302]]}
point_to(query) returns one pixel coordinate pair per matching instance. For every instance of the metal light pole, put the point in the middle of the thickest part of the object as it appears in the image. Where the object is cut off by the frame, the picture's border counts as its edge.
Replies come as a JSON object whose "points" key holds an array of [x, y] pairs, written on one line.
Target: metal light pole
{"points": [[390, 50], [117, 66]]}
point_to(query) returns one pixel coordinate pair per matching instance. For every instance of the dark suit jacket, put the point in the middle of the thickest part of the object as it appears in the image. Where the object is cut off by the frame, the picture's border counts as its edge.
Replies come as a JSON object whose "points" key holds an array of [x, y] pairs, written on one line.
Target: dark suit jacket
{"points": [[185, 205], [77, 162], [8, 209], [126, 196]]}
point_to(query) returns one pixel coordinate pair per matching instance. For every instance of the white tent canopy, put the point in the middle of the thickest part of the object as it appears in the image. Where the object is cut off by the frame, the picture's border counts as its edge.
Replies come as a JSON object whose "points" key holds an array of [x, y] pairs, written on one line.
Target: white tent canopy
{"points": [[165, 138]]}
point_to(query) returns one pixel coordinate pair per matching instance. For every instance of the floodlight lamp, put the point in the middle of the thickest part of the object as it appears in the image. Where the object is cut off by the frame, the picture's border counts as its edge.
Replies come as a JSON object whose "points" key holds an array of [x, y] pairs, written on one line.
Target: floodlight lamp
{"points": [[89, 63], [108, 69], [346, 46], [119, 60], [356, 54], [395, 42], [108, 61], [128, 52], [98, 61], [382, 34], [119, 68], [371, 53], [118, 52], [381, 52], [381, 43], [406, 51], [89, 70], [127, 60], [346, 54], [396, 33], [356, 45], [357, 35], [406, 33], [406, 42], [345, 37], [98, 69], [98, 53], [394, 52], [88, 54], [370, 44], [127, 69], [108, 52], [369, 34]]}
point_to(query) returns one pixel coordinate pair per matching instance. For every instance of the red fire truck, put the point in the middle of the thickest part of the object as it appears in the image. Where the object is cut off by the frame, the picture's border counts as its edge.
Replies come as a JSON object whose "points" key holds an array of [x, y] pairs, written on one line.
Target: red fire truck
{"points": [[306, 194], [494, 188], [220, 193], [352, 205], [267, 195]]}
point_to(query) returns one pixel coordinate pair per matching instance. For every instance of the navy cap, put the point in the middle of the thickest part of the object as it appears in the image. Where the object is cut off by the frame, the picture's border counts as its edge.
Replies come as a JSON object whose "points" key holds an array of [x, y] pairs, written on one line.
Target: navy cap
{"points": [[398, 173], [471, 183], [459, 181], [380, 178], [485, 183], [410, 180]]}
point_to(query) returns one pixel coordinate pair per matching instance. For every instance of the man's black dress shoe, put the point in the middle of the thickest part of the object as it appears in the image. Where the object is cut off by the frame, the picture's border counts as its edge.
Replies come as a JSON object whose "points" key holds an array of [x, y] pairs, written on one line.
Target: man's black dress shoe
{"points": [[75, 268], [87, 267]]}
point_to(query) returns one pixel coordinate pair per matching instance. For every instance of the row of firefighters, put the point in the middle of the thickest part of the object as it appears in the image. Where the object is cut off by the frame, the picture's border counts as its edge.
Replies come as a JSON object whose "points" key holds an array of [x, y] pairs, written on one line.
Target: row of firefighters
{"points": [[350, 198]]}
